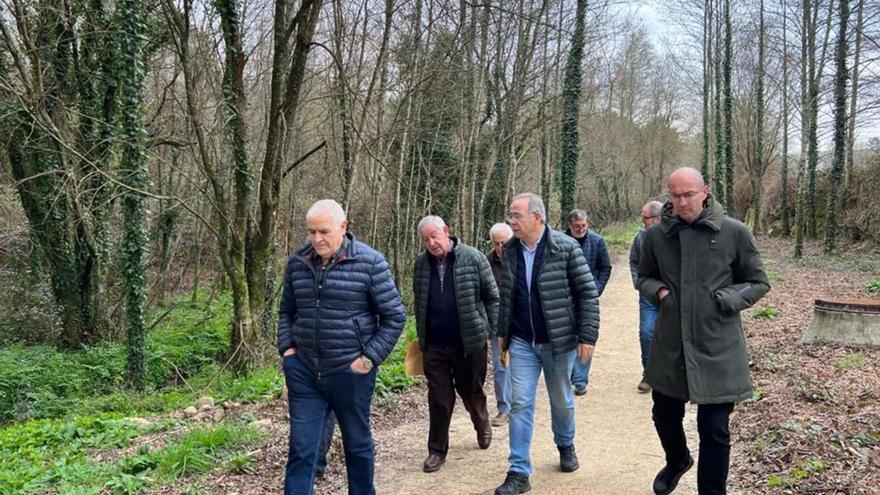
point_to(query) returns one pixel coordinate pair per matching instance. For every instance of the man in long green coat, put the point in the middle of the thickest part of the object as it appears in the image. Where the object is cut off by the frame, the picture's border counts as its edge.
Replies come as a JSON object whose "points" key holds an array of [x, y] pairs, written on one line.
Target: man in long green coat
{"points": [[702, 267]]}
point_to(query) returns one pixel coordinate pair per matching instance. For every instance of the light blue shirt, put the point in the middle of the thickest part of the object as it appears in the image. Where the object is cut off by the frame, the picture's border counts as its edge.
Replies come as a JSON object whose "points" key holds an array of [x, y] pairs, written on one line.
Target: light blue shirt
{"points": [[529, 257]]}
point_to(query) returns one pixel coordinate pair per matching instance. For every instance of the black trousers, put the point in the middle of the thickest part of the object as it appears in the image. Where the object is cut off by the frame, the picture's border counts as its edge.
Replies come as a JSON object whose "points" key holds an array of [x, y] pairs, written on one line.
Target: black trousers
{"points": [[447, 371], [713, 427]]}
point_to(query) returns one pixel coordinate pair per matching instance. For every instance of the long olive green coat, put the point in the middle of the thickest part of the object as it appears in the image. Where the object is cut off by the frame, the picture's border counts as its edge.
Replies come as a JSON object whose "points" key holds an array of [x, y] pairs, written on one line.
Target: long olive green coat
{"points": [[713, 271]]}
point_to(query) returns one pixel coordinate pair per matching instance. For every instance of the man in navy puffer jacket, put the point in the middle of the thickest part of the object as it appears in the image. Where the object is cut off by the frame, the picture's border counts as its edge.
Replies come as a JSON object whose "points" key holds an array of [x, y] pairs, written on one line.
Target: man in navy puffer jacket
{"points": [[339, 318]]}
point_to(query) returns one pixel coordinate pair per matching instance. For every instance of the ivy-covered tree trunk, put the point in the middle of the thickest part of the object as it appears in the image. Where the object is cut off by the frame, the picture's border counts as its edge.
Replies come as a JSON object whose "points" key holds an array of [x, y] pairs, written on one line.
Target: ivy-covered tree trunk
{"points": [[571, 93], [757, 175], [838, 164], [812, 108], [130, 19], [57, 111], [729, 166], [718, 175], [707, 55], [784, 213]]}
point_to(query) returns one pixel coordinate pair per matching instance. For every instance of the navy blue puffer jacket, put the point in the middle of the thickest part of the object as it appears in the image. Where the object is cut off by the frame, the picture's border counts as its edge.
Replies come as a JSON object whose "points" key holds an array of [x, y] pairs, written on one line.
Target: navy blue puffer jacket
{"points": [[355, 311]]}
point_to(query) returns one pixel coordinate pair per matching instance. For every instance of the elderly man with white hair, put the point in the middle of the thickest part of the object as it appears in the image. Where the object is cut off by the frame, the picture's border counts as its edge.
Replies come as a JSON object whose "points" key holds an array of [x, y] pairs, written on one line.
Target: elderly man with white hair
{"points": [[456, 304], [499, 234], [339, 318]]}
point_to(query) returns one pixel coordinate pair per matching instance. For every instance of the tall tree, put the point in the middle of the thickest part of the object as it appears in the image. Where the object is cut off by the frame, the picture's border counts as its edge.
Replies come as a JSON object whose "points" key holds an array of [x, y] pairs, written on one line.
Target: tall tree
{"points": [[58, 101], [784, 207], [707, 56], [131, 22], [729, 166], [838, 163], [718, 176], [853, 107], [571, 93], [757, 172]]}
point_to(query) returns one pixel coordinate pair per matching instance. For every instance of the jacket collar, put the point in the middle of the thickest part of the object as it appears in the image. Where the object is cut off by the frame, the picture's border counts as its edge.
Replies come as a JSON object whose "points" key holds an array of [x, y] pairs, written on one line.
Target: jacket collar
{"points": [[347, 251], [711, 217], [547, 239]]}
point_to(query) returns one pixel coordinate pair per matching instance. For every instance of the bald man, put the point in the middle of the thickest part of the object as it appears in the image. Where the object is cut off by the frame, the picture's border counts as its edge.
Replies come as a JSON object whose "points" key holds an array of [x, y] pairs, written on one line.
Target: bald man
{"points": [[702, 268]]}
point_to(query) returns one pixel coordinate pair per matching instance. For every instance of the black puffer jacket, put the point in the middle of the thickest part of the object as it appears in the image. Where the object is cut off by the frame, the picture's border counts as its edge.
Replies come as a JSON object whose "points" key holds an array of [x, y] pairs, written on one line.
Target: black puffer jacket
{"points": [[355, 311], [475, 294], [567, 291]]}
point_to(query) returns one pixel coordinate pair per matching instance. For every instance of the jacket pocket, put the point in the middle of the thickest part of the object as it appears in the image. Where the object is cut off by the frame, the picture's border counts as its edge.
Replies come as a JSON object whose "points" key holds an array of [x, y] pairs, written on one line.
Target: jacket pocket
{"points": [[357, 332]]}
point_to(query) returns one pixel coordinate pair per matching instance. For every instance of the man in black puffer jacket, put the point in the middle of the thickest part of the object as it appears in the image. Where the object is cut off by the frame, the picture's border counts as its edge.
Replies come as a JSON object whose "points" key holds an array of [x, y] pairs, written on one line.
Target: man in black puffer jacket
{"points": [[548, 317], [456, 303], [339, 318]]}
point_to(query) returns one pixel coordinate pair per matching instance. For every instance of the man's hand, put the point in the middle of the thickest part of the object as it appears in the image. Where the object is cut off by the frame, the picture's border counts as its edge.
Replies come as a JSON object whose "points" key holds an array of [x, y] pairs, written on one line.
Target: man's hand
{"points": [[501, 342], [289, 352], [358, 366], [585, 351], [663, 292]]}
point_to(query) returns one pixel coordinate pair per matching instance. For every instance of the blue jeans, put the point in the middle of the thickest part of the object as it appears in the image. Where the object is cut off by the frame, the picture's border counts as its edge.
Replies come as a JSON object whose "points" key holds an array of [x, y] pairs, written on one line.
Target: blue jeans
{"points": [[580, 373], [502, 379], [526, 364], [311, 400], [647, 317]]}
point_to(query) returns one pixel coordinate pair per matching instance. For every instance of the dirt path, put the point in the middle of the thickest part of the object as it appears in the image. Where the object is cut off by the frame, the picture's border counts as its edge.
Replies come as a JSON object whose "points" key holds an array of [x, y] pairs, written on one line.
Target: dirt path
{"points": [[618, 449]]}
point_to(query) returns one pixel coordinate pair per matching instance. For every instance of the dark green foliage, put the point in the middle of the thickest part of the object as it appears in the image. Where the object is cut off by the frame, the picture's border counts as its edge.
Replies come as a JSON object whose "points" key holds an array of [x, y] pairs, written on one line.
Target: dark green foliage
{"points": [[840, 123], [571, 92], [392, 374], [42, 382]]}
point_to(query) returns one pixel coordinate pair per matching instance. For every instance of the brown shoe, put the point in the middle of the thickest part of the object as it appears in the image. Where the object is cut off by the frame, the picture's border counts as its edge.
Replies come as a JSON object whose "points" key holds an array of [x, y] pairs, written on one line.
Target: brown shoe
{"points": [[484, 437], [501, 419], [433, 463]]}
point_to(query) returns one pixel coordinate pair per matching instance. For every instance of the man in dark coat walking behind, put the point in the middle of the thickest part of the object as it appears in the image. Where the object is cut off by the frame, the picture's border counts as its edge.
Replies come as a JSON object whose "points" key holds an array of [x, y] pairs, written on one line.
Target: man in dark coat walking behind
{"points": [[596, 253], [702, 267], [339, 318], [456, 304]]}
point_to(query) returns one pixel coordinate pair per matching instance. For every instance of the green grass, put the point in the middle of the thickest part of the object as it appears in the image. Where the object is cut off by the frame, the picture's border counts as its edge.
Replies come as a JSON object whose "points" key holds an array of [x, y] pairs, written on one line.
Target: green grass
{"points": [[873, 286], [392, 377], [850, 362], [44, 382], [767, 312], [68, 408], [619, 236], [42, 456]]}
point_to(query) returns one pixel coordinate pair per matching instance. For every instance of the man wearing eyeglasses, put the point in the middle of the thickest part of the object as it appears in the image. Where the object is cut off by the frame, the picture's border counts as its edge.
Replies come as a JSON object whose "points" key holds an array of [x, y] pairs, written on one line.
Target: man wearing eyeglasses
{"points": [[548, 317], [647, 309], [702, 268]]}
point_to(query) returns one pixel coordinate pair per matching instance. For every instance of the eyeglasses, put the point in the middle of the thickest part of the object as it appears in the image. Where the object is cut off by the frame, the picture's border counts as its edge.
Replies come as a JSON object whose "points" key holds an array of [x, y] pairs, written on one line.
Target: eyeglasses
{"points": [[514, 217], [650, 217], [685, 195]]}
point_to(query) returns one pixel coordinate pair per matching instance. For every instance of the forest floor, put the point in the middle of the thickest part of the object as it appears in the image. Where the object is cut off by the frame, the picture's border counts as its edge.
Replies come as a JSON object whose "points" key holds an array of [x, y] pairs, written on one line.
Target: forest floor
{"points": [[812, 427]]}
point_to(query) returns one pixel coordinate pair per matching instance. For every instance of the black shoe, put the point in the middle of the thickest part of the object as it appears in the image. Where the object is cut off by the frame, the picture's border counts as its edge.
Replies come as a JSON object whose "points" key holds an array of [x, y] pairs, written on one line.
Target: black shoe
{"points": [[514, 483], [433, 463], [484, 437], [580, 390], [568, 460], [667, 478]]}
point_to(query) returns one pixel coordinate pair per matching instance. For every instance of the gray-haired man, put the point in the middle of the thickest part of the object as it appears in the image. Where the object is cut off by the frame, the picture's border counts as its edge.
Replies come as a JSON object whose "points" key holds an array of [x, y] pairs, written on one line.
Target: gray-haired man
{"points": [[456, 303], [499, 234]]}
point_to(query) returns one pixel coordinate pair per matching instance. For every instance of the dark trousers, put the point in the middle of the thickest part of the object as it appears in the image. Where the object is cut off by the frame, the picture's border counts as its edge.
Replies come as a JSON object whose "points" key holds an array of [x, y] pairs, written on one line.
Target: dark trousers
{"points": [[348, 395], [712, 425], [450, 370]]}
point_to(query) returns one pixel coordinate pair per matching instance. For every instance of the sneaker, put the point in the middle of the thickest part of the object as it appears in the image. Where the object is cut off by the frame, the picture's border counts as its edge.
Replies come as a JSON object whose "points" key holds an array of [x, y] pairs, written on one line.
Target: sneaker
{"points": [[667, 478], [501, 419], [514, 484], [643, 386], [568, 460], [580, 390]]}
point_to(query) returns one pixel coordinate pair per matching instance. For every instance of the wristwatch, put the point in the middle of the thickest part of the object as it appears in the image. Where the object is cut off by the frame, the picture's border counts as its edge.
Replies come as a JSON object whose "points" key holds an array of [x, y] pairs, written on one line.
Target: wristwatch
{"points": [[368, 363]]}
